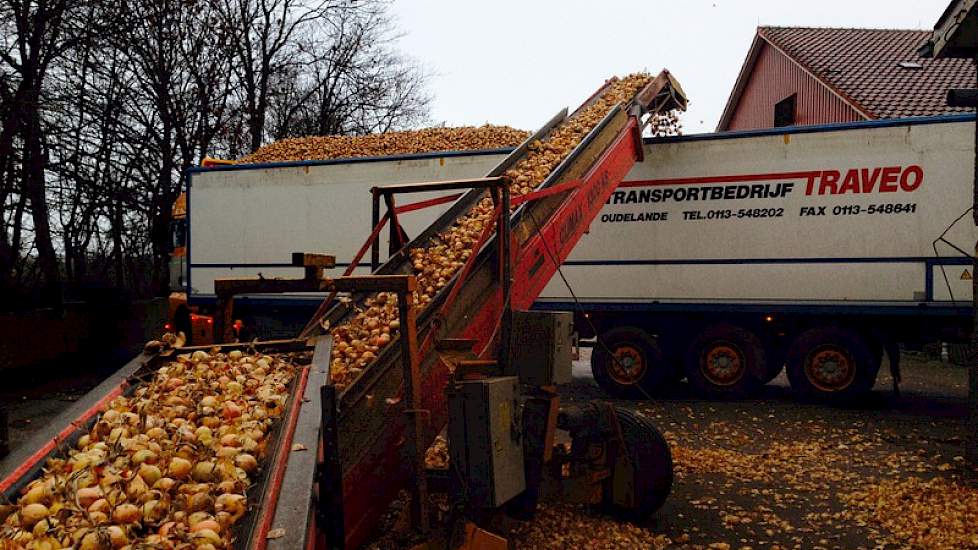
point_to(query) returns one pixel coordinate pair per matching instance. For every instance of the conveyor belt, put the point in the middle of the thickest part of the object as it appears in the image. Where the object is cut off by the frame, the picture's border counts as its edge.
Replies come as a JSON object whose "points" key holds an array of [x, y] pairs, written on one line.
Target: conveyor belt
{"points": [[369, 414], [364, 456]]}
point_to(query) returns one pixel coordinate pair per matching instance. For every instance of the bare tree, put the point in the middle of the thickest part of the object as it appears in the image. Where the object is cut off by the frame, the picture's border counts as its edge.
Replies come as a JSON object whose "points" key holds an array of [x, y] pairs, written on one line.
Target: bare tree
{"points": [[178, 102], [38, 33], [355, 81], [103, 107], [264, 39]]}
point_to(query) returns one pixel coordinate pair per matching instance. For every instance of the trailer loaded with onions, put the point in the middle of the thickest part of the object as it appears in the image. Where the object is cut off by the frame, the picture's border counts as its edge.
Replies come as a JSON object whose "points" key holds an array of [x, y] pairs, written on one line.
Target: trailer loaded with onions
{"points": [[306, 442]]}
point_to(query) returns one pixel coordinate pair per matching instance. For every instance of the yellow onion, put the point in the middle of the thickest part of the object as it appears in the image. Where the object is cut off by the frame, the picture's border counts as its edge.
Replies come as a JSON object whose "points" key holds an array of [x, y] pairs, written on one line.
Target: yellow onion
{"points": [[203, 471], [126, 513], [205, 537], [33, 513], [231, 503], [246, 462], [154, 511], [88, 495], [150, 473], [179, 468]]}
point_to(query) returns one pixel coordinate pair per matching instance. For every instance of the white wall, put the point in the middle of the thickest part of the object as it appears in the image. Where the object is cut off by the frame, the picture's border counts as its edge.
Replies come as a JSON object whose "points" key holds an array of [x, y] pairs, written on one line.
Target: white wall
{"points": [[260, 216]]}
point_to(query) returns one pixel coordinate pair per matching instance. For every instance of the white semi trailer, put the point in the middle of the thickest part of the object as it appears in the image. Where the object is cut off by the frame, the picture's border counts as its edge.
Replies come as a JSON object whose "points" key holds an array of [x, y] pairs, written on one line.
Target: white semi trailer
{"points": [[722, 257]]}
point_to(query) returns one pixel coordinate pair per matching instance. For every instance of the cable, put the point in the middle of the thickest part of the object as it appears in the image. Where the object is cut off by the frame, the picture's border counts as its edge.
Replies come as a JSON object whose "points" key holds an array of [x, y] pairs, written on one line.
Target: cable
{"points": [[941, 238]]}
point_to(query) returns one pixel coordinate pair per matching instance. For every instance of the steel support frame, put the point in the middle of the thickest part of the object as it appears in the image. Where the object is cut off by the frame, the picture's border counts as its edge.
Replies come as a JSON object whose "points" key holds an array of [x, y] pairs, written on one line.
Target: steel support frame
{"points": [[387, 193]]}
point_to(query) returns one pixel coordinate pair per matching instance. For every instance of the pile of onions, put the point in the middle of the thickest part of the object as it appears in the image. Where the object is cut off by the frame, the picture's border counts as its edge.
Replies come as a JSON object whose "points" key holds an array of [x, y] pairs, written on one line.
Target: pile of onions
{"points": [[358, 342], [167, 467]]}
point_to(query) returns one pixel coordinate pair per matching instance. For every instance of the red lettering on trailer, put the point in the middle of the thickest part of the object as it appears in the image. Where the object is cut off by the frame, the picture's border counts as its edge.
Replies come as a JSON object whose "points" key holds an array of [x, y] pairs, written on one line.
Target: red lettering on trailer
{"points": [[811, 181], [890, 176], [918, 173], [829, 179], [870, 182], [851, 183], [890, 179], [887, 179]]}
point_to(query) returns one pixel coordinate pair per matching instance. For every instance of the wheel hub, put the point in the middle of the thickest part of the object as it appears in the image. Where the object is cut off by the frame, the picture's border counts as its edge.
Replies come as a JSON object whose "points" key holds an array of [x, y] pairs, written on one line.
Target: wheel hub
{"points": [[723, 364], [830, 368], [628, 365]]}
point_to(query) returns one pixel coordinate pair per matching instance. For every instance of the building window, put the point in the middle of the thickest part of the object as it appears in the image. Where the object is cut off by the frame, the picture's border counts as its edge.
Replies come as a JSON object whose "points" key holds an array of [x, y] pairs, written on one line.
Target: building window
{"points": [[784, 111]]}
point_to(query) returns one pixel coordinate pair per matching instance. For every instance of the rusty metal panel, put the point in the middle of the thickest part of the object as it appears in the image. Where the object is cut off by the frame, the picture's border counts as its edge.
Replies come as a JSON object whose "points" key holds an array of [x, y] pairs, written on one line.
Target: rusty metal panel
{"points": [[776, 77]]}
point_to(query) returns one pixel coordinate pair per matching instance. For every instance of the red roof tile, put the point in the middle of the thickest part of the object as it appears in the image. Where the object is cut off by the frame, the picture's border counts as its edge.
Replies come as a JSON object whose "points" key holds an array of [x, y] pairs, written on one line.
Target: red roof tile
{"points": [[863, 65]]}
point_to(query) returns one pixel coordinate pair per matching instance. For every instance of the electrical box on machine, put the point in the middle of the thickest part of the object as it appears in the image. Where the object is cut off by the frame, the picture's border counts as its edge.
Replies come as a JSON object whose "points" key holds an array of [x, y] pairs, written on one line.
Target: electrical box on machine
{"points": [[485, 436], [541, 349]]}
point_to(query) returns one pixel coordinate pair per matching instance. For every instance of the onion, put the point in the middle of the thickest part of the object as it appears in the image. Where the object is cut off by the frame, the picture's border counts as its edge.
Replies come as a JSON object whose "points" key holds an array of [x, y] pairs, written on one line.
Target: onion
{"points": [[33, 513], [90, 541], [156, 433], [203, 471], [164, 484], [88, 495], [126, 513], [136, 488], [231, 410], [226, 452], [179, 468], [231, 503], [154, 511], [211, 422], [150, 473], [98, 518], [205, 537], [40, 491], [117, 536], [143, 455], [206, 524], [246, 462], [100, 505], [234, 355], [200, 502]]}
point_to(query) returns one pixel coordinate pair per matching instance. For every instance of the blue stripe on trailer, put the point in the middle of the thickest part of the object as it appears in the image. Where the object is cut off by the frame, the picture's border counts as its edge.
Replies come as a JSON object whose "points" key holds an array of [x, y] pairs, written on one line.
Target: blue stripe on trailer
{"points": [[349, 160], [943, 309], [753, 261], [689, 261], [815, 128]]}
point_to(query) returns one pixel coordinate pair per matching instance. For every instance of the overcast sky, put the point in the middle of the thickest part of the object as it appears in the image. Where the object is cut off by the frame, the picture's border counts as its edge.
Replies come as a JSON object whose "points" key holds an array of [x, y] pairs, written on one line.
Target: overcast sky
{"points": [[519, 62]]}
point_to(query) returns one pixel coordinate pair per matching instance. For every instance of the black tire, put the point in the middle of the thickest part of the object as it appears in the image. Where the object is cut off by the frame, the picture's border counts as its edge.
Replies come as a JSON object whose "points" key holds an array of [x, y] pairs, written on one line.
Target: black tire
{"points": [[724, 361], [832, 363], [627, 362], [651, 462]]}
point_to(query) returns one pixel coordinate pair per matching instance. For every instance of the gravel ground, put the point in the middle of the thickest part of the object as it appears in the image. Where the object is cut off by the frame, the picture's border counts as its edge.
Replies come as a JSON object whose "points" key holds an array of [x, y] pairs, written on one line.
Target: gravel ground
{"points": [[764, 473]]}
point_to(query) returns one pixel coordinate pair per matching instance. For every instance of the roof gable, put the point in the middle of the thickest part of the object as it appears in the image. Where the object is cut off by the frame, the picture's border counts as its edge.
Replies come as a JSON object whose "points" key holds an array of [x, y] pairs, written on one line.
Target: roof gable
{"points": [[862, 66]]}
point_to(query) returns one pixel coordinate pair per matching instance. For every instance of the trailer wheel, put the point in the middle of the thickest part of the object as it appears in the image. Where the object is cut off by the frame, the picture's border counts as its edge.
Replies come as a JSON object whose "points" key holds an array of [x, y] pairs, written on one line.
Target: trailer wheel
{"points": [[636, 494], [723, 361], [832, 363], [627, 362]]}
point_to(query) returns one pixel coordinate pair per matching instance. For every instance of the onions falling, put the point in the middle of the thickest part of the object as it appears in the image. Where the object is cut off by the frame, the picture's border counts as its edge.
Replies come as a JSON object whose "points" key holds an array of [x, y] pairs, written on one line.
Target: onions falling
{"points": [[358, 342]]}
